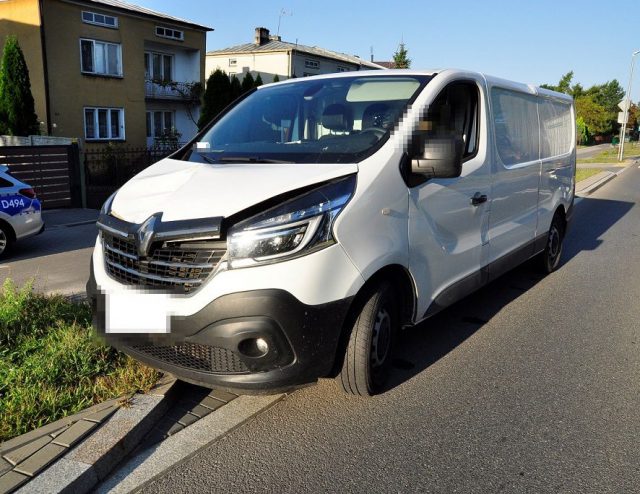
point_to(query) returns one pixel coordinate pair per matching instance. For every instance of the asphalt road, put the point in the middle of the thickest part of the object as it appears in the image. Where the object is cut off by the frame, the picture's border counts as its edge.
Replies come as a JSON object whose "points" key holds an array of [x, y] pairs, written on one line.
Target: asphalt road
{"points": [[57, 260], [531, 385]]}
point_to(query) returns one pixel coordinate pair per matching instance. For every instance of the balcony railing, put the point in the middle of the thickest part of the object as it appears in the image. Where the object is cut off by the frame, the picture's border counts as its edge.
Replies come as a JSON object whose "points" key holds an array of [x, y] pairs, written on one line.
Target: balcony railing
{"points": [[184, 91]]}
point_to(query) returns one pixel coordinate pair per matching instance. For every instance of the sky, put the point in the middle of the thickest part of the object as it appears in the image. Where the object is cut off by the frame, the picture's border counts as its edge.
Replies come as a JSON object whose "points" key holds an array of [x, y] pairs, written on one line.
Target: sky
{"points": [[532, 42]]}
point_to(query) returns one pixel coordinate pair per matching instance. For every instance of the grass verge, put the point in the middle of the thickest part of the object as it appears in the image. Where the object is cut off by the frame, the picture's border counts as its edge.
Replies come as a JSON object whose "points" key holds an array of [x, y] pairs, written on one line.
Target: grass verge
{"points": [[631, 150], [51, 363], [584, 173]]}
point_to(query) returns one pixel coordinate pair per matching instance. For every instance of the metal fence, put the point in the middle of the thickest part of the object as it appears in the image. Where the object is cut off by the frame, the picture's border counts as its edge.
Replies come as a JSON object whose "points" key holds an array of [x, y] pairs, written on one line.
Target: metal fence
{"points": [[52, 171], [108, 168]]}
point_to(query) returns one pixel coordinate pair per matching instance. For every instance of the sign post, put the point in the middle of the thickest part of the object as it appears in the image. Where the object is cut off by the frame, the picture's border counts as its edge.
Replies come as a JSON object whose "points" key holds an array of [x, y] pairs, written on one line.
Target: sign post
{"points": [[624, 106]]}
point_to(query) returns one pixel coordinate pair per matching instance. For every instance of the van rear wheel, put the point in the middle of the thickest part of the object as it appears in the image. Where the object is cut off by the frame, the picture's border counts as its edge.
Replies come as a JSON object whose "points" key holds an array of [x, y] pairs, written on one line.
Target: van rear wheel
{"points": [[369, 352], [549, 259]]}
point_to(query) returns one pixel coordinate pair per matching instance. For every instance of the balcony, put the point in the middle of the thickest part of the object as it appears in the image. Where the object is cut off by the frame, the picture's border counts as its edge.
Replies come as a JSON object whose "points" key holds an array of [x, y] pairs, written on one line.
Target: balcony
{"points": [[172, 90]]}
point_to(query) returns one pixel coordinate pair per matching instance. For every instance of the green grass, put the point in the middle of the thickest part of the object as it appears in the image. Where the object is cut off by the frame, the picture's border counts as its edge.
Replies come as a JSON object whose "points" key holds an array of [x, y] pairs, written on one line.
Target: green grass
{"points": [[631, 150], [51, 363], [584, 173]]}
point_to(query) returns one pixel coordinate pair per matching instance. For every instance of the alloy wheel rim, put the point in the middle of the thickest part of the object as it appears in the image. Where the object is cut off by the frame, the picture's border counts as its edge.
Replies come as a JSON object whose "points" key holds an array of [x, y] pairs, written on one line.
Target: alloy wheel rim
{"points": [[381, 339], [3, 241]]}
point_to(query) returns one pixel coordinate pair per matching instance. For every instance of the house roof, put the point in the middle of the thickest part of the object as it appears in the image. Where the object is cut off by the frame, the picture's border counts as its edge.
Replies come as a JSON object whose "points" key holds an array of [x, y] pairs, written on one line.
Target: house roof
{"points": [[387, 65], [276, 46], [129, 7]]}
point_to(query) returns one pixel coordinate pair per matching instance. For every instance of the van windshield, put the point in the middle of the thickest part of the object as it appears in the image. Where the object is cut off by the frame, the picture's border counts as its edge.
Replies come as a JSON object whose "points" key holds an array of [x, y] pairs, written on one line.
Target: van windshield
{"points": [[333, 120]]}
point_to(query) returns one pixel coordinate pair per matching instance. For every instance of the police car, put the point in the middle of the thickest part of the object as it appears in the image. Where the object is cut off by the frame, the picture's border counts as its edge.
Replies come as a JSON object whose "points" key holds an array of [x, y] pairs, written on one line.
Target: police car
{"points": [[20, 210]]}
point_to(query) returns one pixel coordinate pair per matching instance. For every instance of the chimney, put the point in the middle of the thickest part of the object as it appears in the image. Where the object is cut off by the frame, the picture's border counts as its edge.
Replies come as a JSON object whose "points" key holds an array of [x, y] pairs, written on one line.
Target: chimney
{"points": [[262, 36]]}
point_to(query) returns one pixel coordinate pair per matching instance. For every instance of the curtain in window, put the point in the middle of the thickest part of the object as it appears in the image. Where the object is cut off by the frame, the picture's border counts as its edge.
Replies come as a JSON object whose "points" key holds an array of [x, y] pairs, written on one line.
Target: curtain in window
{"points": [[112, 58], [516, 124], [555, 119]]}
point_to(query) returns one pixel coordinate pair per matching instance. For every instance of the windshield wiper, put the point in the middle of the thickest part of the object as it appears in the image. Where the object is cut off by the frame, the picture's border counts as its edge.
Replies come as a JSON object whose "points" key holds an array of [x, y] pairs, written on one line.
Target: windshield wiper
{"points": [[247, 159]]}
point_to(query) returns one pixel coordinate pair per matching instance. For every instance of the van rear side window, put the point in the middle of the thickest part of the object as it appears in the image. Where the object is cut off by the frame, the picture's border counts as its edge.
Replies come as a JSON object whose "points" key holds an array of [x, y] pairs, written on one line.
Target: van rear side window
{"points": [[516, 122], [555, 123]]}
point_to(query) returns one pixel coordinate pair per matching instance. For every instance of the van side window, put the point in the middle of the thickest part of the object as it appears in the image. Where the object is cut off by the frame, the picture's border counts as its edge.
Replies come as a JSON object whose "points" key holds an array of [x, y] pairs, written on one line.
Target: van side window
{"points": [[454, 112], [515, 116], [556, 128]]}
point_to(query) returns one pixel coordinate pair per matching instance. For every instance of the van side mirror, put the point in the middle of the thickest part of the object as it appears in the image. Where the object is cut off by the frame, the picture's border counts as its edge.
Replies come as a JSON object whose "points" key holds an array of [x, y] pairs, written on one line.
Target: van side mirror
{"points": [[439, 157]]}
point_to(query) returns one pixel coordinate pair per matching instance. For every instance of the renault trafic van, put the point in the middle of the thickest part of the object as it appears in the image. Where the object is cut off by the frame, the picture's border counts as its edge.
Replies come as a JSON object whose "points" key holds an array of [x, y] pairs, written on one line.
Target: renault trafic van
{"points": [[314, 218]]}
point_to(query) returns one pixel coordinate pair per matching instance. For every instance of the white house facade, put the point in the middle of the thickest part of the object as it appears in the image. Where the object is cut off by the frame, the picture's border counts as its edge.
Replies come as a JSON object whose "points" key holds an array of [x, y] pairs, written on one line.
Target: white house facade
{"points": [[270, 56]]}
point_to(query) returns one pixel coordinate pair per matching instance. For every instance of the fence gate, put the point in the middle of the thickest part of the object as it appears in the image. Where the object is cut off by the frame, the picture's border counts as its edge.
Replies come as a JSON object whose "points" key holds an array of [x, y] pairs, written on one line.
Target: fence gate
{"points": [[52, 171]]}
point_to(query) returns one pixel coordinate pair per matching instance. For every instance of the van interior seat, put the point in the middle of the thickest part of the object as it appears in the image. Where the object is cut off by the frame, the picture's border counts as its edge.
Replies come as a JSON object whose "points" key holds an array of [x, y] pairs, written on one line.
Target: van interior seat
{"points": [[337, 118]]}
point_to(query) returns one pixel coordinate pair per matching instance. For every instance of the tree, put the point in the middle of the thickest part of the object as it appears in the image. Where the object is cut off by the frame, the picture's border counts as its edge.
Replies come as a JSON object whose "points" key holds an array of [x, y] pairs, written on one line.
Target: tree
{"points": [[248, 83], [217, 96], [258, 82], [236, 90], [582, 131], [595, 117], [276, 78], [17, 110], [400, 59]]}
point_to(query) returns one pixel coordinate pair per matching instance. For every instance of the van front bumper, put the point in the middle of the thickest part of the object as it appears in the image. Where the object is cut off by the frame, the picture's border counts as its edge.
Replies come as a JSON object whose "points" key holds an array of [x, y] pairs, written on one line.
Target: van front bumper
{"points": [[223, 344]]}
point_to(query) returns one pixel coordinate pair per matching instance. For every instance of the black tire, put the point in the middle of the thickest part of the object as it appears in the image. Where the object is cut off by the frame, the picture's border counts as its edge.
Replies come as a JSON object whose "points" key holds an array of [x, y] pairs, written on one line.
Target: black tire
{"points": [[549, 259], [369, 352], [6, 239]]}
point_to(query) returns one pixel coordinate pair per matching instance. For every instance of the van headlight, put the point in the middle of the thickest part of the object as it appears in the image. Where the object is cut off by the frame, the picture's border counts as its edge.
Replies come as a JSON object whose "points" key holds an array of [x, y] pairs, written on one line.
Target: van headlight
{"points": [[292, 229]]}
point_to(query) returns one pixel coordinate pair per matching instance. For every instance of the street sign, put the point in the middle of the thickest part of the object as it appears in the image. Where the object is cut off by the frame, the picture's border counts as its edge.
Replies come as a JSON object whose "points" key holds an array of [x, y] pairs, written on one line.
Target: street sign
{"points": [[624, 105], [620, 117]]}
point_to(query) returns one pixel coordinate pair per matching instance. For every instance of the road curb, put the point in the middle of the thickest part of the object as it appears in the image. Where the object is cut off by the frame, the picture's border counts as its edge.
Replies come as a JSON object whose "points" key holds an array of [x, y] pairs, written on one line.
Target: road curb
{"points": [[83, 449], [173, 451], [591, 184]]}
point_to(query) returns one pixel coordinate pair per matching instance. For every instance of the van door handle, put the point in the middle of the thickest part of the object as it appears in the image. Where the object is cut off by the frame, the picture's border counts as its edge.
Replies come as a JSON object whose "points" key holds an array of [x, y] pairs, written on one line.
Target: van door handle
{"points": [[478, 199]]}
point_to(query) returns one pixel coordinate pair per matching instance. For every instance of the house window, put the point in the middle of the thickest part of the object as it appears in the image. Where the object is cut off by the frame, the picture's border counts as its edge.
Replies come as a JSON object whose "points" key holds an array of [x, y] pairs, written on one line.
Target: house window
{"points": [[312, 64], [99, 19], [233, 62], [103, 123], [165, 32], [342, 69], [158, 66], [98, 57], [160, 123]]}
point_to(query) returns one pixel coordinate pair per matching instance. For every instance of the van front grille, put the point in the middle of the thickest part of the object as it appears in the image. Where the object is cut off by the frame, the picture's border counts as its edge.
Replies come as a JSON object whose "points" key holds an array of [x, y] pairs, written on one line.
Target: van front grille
{"points": [[197, 357], [181, 265]]}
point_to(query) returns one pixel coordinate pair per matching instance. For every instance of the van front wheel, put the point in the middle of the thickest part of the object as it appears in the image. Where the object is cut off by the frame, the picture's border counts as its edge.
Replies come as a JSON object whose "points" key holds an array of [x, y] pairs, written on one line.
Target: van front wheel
{"points": [[368, 354]]}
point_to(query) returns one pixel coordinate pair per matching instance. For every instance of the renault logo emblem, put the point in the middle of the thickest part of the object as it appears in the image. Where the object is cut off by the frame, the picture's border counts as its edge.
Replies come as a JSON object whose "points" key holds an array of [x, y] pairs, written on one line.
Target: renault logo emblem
{"points": [[144, 235]]}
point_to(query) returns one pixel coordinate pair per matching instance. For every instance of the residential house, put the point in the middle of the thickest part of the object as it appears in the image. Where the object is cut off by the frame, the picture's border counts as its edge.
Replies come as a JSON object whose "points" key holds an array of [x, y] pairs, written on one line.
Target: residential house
{"points": [[109, 71], [269, 56]]}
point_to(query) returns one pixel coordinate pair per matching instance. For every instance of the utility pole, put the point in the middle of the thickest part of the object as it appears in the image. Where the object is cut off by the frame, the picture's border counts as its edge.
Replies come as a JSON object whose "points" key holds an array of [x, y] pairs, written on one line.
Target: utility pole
{"points": [[627, 104]]}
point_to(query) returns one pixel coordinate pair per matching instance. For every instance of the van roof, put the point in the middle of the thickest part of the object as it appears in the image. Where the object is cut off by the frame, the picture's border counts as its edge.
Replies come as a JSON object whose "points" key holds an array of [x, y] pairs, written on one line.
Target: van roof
{"points": [[491, 80]]}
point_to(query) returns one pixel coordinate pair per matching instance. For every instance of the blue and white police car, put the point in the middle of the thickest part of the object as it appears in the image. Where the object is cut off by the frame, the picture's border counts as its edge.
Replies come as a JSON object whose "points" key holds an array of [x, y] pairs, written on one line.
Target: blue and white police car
{"points": [[20, 210]]}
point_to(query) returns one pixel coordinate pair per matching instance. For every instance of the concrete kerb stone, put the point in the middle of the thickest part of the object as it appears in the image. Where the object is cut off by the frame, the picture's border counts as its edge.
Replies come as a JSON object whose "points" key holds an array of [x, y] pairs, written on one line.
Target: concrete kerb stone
{"points": [[84, 466], [149, 464], [591, 184]]}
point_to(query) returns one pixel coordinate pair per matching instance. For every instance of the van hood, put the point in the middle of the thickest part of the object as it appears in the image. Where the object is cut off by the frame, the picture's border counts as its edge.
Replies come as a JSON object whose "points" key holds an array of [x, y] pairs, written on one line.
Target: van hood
{"points": [[187, 190]]}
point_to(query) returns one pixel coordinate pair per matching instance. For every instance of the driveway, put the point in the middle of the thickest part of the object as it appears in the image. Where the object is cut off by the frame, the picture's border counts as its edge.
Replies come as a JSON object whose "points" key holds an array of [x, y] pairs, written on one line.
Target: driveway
{"points": [[58, 259]]}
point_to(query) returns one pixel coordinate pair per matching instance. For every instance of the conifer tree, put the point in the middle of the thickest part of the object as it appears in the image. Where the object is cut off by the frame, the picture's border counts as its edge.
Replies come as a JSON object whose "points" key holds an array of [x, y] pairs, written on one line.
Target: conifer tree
{"points": [[400, 59], [236, 90], [17, 111], [258, 82], [248, 83], [276, 78], [217, 96]]}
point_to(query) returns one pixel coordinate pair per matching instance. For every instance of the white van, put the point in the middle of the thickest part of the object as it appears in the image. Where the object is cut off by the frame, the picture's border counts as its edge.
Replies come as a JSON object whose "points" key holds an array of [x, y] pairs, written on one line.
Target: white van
{"points": [[314, 218]]}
